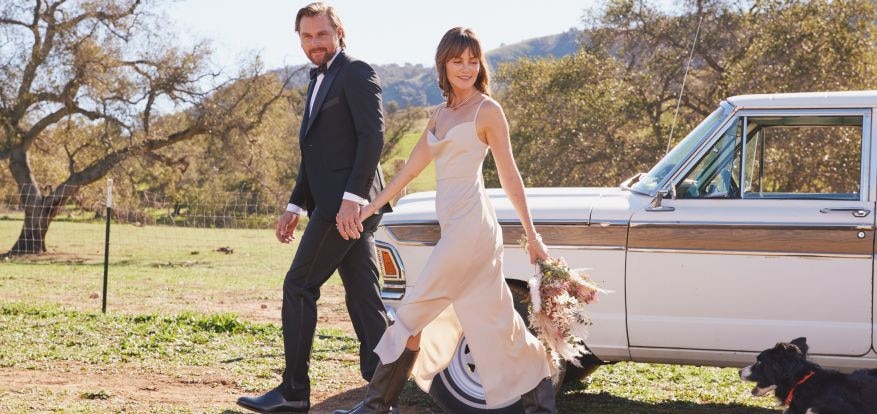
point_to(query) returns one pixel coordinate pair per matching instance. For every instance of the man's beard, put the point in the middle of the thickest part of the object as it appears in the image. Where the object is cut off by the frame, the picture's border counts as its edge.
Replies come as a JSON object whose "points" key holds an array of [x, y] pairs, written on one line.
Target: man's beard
{"points": [[327, 55]]}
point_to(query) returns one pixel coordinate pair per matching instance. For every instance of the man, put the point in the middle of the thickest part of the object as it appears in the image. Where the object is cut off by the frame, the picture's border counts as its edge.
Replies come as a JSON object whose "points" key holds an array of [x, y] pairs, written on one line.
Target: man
{"points": [[341, 139]]}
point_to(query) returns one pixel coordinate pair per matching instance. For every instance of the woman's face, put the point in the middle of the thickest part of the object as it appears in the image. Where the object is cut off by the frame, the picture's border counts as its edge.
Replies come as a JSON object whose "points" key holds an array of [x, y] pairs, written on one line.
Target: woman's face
{"points": [[463, 70]]}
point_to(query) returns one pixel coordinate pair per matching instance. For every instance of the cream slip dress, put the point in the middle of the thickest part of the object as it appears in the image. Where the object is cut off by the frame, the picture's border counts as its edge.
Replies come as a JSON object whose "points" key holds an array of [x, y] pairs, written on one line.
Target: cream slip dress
{"points": [[462, 289]]}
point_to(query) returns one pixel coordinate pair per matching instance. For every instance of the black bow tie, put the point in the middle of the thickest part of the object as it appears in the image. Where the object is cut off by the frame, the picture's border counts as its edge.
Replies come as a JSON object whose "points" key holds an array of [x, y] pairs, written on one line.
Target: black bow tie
{"points": [[317, 70]]}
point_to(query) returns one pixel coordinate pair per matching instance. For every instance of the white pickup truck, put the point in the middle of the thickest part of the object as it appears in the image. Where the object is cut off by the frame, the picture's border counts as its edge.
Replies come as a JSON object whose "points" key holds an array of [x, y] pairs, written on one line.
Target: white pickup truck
{"points": [[756, 228]]}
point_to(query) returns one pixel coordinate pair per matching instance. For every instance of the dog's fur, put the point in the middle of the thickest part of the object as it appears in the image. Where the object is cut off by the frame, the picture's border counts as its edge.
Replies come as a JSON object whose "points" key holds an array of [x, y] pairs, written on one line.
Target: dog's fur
{"points": [[778, 369]]}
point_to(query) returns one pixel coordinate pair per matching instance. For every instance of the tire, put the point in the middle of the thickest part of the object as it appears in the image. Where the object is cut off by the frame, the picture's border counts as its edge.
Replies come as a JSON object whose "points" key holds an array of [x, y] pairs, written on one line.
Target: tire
{"points": [[458, 389]]}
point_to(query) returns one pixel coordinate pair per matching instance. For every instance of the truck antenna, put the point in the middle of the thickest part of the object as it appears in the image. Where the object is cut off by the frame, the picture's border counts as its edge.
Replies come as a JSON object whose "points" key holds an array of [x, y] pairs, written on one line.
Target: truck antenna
{"points": [[682, 89]]}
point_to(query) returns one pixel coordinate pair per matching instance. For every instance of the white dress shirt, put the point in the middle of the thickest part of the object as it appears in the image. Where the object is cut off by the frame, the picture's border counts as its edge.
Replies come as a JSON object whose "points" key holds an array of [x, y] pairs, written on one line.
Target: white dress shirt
{"points": [[347, 196]]}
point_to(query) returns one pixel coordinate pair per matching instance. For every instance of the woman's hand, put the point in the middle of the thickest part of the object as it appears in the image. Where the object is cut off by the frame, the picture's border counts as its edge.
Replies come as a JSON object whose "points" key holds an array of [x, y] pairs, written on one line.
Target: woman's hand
{"points": [[537, 250], [366, 211]]}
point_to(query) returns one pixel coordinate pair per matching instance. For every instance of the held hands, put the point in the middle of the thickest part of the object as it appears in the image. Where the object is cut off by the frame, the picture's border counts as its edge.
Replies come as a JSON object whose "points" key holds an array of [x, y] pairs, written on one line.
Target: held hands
{"points": [[285, 230], [537, 249], [367, 211], [348, 221]]}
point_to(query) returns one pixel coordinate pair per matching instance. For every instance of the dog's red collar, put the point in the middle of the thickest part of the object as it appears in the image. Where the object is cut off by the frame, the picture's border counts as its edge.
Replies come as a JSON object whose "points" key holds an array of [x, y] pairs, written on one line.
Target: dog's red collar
{"points": [[792, 391]]}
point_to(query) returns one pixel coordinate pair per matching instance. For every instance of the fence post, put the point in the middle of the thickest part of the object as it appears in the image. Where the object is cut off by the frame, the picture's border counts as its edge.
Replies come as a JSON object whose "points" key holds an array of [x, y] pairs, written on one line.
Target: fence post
{"points": [[103, 306]]}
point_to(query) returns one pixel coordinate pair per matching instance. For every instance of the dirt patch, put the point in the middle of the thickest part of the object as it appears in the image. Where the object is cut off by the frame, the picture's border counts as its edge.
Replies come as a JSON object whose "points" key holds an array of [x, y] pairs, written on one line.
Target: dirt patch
{"points": [[72, 386], [119, 387]]}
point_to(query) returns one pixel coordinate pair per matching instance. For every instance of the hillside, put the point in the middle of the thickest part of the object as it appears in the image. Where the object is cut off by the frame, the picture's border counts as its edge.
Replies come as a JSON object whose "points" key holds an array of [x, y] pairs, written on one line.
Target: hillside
{"points": [[558, 45], [415, 85]]}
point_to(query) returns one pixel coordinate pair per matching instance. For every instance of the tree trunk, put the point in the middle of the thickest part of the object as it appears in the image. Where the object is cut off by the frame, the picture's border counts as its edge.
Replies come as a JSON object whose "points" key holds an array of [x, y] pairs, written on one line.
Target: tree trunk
{"points": [[37, 217], [39, 208]]}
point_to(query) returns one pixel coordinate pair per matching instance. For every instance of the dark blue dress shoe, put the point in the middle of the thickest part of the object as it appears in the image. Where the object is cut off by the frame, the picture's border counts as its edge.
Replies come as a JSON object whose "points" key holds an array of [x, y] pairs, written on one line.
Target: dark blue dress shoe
{"points": [[273, 402]]}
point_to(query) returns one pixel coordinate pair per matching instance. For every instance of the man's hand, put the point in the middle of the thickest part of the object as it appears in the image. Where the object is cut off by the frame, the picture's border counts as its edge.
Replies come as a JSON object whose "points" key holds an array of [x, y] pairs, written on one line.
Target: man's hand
{"points": [[285, 230], [347, 221]]}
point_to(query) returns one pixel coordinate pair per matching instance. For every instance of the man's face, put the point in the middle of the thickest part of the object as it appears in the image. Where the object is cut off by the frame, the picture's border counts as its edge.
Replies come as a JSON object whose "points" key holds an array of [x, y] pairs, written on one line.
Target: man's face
{"points": [[319, 39]]}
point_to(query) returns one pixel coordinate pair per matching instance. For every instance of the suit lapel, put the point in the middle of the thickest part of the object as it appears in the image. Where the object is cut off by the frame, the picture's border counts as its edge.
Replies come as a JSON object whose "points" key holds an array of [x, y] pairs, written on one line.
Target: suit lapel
{"points": [[304, 124], [328, 78]]}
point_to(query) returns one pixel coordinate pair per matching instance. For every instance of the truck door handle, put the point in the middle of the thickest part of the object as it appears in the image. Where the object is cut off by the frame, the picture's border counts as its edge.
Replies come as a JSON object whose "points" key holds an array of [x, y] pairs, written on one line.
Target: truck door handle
{"points": [[857, 212]]}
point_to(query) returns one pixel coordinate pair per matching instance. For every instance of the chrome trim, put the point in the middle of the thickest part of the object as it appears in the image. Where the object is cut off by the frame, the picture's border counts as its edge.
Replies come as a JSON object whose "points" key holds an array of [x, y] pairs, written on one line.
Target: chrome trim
{"points": [[656, 206], [552, 222], [409, 223], [396, 258], [855, 211], [610, 223], [566, 234], [741, 183], [391, 312], [682, 168], [748, 253], [697, 154], [574, 247], [753, 225], [865, 187], [385, 295], [851, 111], [391, 288], [401, 242]]}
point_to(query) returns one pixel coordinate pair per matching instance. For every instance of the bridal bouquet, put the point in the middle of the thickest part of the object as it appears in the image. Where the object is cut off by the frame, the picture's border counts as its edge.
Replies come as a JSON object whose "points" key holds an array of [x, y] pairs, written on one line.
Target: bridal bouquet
{"points": [[558, 296]]}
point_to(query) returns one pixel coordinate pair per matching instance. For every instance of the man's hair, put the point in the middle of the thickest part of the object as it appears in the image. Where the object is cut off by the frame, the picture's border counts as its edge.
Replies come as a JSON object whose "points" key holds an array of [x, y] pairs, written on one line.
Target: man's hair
{"points": [[319, 9], [452, 45]]}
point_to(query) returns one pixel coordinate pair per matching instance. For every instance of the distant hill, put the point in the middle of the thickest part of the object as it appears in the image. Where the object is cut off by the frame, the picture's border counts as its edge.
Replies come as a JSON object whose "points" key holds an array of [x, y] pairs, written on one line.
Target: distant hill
{"points": [[415, 85], [558, 45]]}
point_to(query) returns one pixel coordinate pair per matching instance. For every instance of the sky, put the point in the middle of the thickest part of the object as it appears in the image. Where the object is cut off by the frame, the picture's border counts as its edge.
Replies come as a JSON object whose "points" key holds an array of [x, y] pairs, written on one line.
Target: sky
{"points": [[378, 31]]}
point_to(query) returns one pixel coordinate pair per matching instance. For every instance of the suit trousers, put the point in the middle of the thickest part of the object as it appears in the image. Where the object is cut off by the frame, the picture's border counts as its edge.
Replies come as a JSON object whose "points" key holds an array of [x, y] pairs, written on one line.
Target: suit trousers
{"points": [[321, 251]]}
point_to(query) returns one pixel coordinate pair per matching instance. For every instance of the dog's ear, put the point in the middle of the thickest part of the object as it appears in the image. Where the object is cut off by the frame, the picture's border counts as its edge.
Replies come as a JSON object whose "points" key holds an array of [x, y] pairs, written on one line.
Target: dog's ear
{"points": [[801, 343]]}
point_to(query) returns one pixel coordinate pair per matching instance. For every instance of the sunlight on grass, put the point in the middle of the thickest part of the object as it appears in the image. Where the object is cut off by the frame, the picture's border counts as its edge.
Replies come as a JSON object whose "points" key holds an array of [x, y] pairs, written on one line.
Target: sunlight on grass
{"points": [[426, 180], [192, 297]]}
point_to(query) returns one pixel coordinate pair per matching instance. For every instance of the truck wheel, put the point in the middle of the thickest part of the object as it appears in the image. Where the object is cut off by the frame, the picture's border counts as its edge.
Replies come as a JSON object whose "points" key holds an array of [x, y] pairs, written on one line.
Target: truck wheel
{"points": [[458, 389]]}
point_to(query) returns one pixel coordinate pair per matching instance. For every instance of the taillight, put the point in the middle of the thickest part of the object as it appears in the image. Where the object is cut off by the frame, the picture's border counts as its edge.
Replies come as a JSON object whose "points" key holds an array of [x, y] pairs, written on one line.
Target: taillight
{"points": [[392, 272], [388, 267], [388, 262]]}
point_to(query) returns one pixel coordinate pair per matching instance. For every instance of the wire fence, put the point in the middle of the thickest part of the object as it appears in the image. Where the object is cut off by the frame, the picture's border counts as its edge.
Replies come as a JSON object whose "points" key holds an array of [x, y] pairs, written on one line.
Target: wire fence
{"points": [[70, 226], [162, 242]]}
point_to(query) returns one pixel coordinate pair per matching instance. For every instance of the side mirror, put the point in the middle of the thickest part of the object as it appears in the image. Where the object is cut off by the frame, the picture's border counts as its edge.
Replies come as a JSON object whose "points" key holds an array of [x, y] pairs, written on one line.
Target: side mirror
{"points": [[659, 198]]}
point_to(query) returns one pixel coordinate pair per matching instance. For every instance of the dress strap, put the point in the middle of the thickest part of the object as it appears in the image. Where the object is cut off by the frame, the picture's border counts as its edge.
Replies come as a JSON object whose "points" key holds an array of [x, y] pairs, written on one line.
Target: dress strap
{"points": [[478, 109]]}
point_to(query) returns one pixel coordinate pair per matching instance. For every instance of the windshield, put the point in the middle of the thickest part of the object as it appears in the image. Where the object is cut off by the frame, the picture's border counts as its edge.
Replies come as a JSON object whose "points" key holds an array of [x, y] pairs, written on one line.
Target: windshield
{"points": [[649, 181]]}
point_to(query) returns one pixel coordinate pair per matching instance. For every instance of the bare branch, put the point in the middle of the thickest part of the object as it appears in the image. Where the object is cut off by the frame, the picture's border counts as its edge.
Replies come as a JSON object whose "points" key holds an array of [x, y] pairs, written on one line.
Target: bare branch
{"points": [[14, 22]]}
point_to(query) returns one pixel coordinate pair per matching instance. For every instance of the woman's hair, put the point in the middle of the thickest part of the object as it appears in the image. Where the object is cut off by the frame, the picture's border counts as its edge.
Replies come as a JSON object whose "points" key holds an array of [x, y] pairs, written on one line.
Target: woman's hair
{"points": [[320, 9], [452, 45]]}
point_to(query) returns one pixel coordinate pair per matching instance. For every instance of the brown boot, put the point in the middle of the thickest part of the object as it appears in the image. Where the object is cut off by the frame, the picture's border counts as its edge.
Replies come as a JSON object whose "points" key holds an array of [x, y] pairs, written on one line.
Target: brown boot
{"points": [[385, 386], [540, 400]]}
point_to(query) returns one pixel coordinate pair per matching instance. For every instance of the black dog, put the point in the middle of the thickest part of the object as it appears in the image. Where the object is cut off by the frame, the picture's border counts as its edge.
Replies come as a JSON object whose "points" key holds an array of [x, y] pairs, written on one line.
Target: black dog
{"points": [[805, 387]]}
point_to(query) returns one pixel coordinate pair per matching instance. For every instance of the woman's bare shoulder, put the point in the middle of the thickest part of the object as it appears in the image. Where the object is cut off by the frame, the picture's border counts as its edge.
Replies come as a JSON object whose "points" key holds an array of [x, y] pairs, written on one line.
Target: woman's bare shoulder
{"points": [[491, 111], [433, 114]]}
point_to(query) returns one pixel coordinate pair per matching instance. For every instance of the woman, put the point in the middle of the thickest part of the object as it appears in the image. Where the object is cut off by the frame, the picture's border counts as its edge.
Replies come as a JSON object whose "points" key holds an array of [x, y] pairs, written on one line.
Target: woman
{"points": [[462, 289]]}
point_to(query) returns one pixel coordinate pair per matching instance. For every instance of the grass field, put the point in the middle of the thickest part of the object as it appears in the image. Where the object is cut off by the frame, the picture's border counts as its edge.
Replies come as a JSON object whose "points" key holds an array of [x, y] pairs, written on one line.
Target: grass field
{"points": [[426, 180], [190, 328]]}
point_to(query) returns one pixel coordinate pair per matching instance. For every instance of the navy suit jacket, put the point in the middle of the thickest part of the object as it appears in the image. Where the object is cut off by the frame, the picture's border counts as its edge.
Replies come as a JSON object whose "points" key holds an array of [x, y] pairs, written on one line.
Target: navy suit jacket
{"points": [[341, 140]]}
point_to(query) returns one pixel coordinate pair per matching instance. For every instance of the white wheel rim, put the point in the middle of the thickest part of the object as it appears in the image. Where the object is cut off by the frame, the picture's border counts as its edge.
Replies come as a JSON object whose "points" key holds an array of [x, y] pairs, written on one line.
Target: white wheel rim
{"points": [[464, 383]]}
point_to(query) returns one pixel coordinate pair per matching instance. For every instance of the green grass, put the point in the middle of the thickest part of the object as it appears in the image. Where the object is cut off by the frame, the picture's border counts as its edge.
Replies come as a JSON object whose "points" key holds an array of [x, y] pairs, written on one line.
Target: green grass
{"points": [[182, 312], [426, 180], [152, 268], [246, 354], [656, 388]]}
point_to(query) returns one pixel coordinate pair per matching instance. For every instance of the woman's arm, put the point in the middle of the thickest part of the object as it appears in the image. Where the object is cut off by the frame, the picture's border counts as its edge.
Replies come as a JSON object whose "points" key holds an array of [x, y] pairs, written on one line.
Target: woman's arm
{"points": [[419, 158], [494, 129]]}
